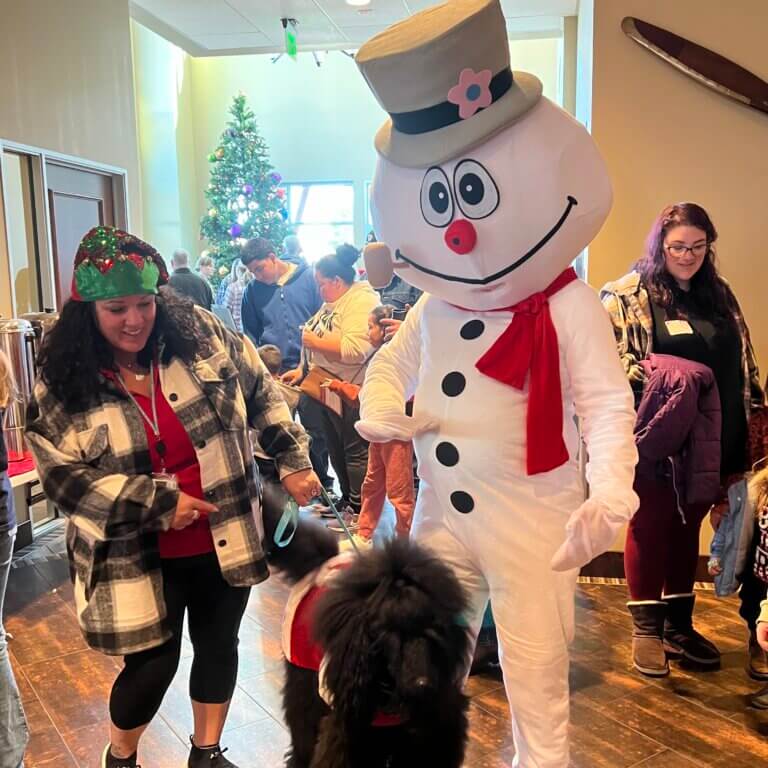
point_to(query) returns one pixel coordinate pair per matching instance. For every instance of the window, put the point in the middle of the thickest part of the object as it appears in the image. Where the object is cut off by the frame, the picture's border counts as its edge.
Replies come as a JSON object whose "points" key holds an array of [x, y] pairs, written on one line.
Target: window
{"points": [[322, 216]]}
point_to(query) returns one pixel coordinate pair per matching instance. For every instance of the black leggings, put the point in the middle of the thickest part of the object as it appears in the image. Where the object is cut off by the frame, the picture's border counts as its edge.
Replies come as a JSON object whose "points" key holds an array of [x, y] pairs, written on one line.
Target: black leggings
{"points": [[215, 611], [348, 452]]}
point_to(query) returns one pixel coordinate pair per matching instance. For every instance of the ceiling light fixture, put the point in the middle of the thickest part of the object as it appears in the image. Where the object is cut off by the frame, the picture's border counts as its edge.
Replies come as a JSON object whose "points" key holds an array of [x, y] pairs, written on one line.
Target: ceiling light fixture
{"points": [[358, 3]]}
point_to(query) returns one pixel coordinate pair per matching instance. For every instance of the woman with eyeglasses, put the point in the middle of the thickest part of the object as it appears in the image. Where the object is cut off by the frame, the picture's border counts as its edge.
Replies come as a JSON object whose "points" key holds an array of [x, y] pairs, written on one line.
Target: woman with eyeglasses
{"points": [[674, 303]]}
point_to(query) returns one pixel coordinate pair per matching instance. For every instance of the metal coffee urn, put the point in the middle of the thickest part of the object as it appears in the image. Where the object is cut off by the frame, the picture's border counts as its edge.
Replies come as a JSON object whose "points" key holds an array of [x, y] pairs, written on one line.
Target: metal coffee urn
{"points": [[42, 322], [17, 340]]}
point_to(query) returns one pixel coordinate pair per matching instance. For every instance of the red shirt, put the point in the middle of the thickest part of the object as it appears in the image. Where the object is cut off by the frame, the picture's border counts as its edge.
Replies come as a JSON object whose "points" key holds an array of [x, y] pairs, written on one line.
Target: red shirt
{"points": [[179, 460]]}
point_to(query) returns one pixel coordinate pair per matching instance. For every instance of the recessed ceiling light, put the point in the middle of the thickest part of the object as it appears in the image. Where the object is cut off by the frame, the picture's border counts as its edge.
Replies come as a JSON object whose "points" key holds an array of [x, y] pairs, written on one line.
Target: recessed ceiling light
{"points": [[358, 3]]}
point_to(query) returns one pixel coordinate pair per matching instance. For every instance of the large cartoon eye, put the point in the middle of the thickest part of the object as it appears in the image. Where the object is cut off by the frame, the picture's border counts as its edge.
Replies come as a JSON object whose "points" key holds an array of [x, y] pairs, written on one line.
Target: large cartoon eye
{"points": [[436, 200], [476, 192]]}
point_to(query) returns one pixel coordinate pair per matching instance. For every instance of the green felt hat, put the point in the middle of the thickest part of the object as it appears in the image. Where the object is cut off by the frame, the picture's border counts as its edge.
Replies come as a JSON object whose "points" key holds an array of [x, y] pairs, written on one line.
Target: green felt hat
{"points": [[111, 263]]}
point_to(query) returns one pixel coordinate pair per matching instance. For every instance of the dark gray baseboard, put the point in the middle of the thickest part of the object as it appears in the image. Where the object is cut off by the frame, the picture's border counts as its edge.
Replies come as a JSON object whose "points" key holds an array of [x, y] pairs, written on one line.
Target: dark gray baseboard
{"points": [[610, 565]]}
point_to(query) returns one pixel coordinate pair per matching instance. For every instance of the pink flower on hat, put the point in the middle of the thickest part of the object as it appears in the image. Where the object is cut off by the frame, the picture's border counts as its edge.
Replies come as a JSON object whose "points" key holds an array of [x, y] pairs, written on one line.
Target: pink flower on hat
{"points": [[472, 92]]}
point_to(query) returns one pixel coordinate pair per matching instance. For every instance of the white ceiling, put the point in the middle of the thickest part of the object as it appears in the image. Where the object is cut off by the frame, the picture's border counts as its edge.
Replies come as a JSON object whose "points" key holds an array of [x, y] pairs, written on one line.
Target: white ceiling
{"points": [[225, 27]]}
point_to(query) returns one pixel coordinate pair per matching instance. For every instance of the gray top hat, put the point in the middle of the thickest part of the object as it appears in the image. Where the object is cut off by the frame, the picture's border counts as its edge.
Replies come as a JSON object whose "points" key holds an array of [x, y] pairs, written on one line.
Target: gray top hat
{"points": [[443, 76]]}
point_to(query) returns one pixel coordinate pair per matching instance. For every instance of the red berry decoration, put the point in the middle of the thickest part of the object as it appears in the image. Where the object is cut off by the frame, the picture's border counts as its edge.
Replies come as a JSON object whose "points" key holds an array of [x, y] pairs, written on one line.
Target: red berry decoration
{"points": [[137, 260]]}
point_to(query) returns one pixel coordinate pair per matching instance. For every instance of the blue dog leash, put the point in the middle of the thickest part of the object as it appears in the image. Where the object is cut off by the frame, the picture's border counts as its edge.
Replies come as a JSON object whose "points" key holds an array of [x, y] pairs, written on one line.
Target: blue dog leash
{"points": [[327, 499], [289, 521], [290, 517]]}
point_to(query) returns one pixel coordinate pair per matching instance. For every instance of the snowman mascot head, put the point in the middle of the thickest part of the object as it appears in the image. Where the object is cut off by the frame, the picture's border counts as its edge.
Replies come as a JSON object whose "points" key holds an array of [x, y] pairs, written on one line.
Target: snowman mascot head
{"points": [[484, 191]]}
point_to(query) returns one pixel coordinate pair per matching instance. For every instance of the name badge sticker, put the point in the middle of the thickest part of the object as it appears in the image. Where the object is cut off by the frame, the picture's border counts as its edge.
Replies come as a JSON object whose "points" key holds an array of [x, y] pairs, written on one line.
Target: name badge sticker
{"points": [[678, 327]]}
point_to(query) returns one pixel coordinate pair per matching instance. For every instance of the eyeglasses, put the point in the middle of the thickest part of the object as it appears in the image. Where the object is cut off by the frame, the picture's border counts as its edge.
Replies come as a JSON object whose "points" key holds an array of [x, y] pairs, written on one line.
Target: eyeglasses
{"points": [[678, 250]]}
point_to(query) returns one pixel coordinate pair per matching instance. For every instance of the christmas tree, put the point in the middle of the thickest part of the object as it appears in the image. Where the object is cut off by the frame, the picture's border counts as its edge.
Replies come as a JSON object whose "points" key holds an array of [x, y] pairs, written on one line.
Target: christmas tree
{"points": [[243, 194]]}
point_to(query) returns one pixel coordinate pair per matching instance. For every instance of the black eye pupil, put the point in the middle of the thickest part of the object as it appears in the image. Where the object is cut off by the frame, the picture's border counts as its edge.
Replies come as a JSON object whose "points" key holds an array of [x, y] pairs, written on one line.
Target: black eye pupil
{"points": [[438, 197], [471, 189]]}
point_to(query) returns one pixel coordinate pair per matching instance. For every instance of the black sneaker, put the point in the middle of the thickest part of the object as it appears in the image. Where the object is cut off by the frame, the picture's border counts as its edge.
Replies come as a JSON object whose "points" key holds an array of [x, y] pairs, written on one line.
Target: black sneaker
{"points": [[326, 511], [208, 757], [108, 760]]}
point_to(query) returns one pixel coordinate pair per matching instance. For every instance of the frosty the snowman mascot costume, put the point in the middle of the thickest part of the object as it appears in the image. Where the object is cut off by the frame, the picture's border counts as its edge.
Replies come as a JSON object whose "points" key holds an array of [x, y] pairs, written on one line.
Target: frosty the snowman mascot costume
{"points": [[484, 193]]}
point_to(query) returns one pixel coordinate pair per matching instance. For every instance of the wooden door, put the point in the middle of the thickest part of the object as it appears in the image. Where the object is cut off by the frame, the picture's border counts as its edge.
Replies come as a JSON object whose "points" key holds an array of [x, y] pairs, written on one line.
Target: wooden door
{"points": [[78, 199]]}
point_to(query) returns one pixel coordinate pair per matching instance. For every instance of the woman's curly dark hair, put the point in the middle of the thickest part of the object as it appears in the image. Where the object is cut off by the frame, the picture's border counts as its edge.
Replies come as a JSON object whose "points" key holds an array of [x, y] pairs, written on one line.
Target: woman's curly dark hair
{"points": [[74, 352], [708, 290]]}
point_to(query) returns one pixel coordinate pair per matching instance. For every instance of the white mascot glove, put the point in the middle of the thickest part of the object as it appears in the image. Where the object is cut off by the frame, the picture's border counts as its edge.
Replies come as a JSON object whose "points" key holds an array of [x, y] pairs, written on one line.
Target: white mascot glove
{"points": [[396, 426], [590, 530]]}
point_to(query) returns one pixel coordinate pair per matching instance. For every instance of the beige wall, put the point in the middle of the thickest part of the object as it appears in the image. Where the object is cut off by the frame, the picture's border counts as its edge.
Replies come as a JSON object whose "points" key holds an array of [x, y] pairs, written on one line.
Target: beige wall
{"points": [[66, 82], [667, 138]]}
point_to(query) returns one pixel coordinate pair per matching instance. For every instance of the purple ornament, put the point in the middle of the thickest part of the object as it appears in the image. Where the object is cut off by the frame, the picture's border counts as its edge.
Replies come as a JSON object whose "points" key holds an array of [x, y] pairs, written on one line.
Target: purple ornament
{"points": [[235, 230], [276, 178], [247, 189]]}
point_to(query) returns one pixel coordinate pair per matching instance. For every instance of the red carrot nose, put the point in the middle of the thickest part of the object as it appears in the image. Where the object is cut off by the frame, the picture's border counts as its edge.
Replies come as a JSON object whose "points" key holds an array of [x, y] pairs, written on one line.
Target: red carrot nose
{"points": [[461, 236]]}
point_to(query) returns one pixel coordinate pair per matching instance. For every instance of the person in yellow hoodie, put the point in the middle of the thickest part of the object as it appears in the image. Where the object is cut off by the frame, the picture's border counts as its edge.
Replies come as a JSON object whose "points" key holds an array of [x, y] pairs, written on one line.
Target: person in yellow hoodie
{"points": [[335, 340]]}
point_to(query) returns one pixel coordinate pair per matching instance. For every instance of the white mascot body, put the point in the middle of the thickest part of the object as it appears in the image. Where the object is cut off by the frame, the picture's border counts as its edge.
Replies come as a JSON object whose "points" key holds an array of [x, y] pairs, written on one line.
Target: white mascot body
{"points": [[484, 208]]}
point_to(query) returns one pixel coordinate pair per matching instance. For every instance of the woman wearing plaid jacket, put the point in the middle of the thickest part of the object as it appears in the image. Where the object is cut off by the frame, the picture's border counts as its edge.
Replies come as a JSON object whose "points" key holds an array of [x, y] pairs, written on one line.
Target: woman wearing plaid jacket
{"points": [[140, 430], [675, 303]]}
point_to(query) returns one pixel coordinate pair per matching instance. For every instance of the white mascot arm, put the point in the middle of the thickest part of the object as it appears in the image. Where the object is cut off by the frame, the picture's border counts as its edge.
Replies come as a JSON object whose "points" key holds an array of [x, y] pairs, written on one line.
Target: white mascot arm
{"points": [[390, 380], [605, 405]]}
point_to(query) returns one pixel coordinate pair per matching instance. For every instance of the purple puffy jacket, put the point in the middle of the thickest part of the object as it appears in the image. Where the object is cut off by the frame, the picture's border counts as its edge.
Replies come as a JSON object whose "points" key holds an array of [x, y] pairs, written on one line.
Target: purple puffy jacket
{"points": [[678, 420]]}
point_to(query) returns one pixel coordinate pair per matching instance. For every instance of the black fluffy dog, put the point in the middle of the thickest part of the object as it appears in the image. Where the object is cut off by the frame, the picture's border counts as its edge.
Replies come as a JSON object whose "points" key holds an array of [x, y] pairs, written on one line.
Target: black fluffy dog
{"points": [[395, 650]]}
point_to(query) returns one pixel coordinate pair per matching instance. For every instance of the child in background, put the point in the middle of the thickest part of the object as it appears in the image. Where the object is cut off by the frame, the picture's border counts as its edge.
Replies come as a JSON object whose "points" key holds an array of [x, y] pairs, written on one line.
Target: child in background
{"points": [[272, 358], [390, 465]]}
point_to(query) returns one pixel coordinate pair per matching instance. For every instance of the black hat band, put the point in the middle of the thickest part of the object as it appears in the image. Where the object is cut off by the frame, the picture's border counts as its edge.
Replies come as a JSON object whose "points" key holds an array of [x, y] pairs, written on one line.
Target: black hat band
{"points": [[446, 113]]}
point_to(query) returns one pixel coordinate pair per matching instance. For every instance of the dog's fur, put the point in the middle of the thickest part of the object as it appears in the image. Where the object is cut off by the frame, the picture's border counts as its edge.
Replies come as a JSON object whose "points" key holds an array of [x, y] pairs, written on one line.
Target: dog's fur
{"points": [[391, 631]]}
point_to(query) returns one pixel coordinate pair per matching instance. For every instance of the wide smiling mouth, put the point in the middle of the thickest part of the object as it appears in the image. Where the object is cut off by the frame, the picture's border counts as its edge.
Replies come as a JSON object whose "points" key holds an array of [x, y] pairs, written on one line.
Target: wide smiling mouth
{"points": [[572, 202]]}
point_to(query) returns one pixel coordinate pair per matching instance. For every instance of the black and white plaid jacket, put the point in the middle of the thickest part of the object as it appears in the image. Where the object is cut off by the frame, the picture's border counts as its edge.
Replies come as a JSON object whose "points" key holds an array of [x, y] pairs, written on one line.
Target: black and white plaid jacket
{"points": [[95, 466]]}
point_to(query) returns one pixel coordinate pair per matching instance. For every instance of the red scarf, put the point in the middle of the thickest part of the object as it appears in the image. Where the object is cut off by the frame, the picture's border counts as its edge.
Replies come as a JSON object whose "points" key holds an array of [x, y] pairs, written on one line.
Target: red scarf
{"points": [[529, 345]]}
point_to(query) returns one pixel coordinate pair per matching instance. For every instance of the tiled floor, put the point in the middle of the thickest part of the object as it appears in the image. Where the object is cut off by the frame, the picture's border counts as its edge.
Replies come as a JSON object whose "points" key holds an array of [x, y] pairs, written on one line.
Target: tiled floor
{"points": [[618, 718]]}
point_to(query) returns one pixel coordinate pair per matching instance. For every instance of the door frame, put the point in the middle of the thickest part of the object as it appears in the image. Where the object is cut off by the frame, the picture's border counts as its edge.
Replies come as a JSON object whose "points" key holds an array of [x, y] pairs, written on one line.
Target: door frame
{"points": [[39, 160]]}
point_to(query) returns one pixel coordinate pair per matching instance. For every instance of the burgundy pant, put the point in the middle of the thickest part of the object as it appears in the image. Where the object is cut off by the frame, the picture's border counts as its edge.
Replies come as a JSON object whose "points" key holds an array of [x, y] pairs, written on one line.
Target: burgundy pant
{"points": [[661, 551], [390, 473]]}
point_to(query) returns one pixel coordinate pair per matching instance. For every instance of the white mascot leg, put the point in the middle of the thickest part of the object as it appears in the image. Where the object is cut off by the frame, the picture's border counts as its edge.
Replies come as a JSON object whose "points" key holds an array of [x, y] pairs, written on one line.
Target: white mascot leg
{"points": [[533, 608]]}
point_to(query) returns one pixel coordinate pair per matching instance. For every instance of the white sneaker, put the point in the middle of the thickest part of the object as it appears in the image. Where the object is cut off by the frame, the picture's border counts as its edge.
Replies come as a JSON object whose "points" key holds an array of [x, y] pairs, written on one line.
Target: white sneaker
{"points": [[361, 543]]}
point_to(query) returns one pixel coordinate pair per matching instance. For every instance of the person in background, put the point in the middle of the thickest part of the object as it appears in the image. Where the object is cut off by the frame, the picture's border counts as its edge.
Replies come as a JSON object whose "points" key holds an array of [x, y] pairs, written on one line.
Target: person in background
{"points": [[292, 249], [282, 296], [760, 573], [675, 303], [140, 429], [225, 282], [398, 294], [278, 301], [186, 282], [272, 358], [205, 268], [390, 465], [233, 296], [335, 339], [14, 734]]}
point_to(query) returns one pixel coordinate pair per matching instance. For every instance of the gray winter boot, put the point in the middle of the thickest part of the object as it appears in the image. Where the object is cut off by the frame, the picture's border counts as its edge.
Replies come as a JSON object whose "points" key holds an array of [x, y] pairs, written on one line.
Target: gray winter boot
{"points": [[648, 654]]}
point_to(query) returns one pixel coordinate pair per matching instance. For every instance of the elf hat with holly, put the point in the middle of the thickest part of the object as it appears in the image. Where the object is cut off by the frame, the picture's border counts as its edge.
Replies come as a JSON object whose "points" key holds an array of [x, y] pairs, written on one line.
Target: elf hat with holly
{"points": [[111, 263]]}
